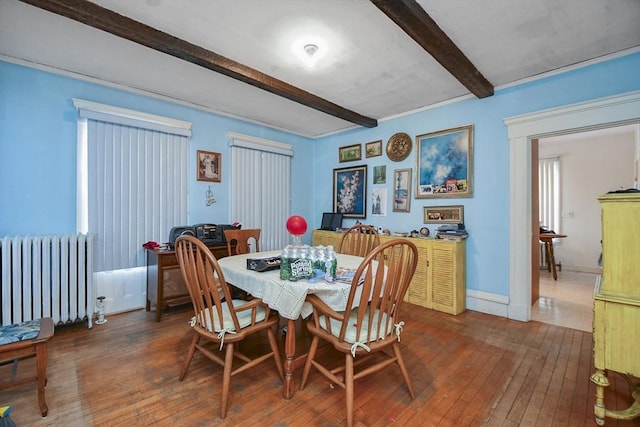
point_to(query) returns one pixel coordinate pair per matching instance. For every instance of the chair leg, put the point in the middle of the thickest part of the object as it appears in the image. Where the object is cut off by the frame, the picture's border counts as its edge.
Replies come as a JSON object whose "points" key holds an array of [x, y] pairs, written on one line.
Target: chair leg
{"points": [[348, 384], [307, 363], [276, 353], [192, 350], [226, 378], [403, 369], [41, 366]]}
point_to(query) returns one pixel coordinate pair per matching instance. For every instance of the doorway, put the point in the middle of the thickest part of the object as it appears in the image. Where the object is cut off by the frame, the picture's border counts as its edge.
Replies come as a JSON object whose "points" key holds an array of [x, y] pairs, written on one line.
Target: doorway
{"points": [[597, 114]]}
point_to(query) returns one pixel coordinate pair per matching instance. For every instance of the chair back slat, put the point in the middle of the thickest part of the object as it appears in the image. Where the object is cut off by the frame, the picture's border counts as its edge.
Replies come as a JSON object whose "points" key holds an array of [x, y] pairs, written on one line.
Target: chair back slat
{"points": [[240, 241], [378, 289], [359, 240]]}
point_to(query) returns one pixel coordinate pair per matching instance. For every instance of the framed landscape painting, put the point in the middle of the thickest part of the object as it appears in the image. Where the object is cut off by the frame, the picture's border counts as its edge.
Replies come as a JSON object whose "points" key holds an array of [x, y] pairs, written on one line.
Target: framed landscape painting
{"points": [[349, 191], [445, 163]]}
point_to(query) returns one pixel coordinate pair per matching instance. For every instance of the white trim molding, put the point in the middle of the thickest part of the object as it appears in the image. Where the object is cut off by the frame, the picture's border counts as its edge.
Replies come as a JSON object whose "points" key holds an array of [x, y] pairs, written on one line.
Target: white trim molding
{"points": [[597, 114], [260, 144], [486, 302]]}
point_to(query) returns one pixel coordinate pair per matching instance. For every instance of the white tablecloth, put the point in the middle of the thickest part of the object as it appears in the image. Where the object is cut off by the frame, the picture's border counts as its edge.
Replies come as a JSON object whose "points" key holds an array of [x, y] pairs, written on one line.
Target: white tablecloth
{"points": [[287, 297]]}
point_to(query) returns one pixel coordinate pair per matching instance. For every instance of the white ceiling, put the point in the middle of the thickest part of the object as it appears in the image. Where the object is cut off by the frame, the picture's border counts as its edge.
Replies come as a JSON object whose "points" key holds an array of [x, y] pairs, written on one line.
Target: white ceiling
{"points": [[371, 67]]}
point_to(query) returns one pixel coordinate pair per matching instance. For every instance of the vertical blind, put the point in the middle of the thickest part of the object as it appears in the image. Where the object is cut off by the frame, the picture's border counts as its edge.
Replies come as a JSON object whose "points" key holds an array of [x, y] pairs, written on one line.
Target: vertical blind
{"points": [[549, 191], [261, 187], [136, 185]]}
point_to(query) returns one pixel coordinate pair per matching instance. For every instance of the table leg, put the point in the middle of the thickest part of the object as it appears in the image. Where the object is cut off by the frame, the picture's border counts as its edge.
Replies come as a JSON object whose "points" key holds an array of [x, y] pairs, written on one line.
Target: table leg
{"points": [[289, 365], [552, 260]]}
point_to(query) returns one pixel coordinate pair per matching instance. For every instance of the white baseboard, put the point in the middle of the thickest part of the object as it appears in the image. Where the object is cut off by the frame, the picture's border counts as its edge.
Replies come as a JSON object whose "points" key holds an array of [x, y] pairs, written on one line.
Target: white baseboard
{"points": [[485, 302]]}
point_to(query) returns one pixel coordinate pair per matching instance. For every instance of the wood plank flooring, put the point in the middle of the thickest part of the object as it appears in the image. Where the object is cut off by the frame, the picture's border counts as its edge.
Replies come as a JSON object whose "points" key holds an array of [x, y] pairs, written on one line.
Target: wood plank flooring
{"points": [[472, 369]]}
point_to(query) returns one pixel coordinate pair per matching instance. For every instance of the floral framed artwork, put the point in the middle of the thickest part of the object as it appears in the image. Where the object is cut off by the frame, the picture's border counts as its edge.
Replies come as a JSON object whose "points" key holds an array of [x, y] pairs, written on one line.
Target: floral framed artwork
{"points": [[349, 191], [402, 190], [209, 166], [445, 163], [443, 214], [350, 153], [373, 149]]}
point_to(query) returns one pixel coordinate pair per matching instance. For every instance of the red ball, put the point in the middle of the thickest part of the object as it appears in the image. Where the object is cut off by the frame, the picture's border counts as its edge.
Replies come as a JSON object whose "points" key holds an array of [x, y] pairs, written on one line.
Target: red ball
{"points": [[296, 225]]}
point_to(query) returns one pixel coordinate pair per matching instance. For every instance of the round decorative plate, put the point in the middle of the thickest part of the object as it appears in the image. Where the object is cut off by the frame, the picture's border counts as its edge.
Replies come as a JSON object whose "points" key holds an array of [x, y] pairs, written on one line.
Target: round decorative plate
{"points": [[424, 232], [399, 147]]}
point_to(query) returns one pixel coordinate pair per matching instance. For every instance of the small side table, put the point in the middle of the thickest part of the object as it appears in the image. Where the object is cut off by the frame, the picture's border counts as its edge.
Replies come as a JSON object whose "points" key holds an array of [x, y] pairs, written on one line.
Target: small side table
{"points": [[164, 278]]}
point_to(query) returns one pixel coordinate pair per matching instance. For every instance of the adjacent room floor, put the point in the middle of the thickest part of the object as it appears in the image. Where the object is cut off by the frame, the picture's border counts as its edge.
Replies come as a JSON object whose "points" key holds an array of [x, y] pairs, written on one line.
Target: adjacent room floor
{"points": [[566, 302]]}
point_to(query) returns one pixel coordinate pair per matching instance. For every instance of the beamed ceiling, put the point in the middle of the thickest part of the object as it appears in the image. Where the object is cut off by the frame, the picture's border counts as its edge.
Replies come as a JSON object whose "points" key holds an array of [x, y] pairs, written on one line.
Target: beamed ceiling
{"points": [[377, 59]]}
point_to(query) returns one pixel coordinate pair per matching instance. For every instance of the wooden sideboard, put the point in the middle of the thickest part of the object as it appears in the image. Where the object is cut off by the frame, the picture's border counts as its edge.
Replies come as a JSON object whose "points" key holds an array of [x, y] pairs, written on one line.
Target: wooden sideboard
{"points": [[164, 278], [439, 282], [616, 311]]}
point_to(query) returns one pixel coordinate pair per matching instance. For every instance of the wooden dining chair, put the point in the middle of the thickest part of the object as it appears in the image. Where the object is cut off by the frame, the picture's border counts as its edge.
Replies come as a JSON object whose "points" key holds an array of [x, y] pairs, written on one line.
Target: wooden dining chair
{"points": [[223, 322], [371, 324], [241, 241], [358, 240]]}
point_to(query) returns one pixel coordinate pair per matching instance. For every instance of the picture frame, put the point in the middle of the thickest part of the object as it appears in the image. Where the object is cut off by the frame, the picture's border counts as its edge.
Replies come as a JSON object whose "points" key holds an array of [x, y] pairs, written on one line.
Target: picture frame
{"points": [[380, 174], [402, 190], [350, 191], [373, 149], [208, 166], [443, 214], [445, 163], [379, 202], [350, 153]]}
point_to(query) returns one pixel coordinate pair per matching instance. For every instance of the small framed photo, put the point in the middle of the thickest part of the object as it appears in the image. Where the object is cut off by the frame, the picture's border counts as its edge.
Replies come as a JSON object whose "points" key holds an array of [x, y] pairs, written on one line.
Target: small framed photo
{"points": [[350, 191], [209, 166], [373, 149], [350, 153], [444, 214], [402, 190], [380, 174]]}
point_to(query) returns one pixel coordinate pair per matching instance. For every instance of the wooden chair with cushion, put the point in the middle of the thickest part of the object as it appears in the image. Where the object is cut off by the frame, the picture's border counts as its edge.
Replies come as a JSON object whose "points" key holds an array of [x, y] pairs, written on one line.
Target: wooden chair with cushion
{"points": [[24, 340], [368, 331], [222, 323], [244, 240], [358, 240]]}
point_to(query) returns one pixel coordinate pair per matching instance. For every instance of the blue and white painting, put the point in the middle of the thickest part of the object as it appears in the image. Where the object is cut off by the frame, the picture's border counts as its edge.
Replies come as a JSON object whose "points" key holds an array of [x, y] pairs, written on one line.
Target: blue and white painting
{"points": [[444, 163]]}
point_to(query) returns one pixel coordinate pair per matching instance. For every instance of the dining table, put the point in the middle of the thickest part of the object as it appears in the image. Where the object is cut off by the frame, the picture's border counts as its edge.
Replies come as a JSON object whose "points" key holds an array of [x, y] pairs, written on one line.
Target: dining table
{"points": [[287, 297]]}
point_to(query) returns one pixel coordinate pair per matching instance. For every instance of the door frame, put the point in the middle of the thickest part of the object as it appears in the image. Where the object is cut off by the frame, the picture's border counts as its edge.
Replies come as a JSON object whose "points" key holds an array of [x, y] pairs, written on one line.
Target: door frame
{"points": [[522, 130]]}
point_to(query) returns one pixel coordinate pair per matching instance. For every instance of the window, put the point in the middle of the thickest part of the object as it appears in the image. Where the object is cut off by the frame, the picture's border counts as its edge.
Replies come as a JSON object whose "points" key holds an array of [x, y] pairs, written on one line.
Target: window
{"points": [[132, 188], [549, 191], [261, 187]]}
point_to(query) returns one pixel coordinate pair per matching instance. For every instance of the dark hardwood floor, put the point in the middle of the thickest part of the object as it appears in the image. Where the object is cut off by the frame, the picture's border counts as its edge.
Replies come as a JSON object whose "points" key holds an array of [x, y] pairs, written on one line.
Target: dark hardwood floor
{"points": [[468, 370]]}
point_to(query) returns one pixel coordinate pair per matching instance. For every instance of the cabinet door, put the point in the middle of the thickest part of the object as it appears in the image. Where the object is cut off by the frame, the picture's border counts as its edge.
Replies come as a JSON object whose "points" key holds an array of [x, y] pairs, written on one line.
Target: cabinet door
{"points": [[325, 238], [447, 282], [418, 292]]}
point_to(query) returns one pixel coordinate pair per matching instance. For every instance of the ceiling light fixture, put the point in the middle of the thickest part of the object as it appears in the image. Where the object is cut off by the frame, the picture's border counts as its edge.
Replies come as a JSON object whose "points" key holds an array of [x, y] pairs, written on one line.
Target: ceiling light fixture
{"points": [[309, 50]]}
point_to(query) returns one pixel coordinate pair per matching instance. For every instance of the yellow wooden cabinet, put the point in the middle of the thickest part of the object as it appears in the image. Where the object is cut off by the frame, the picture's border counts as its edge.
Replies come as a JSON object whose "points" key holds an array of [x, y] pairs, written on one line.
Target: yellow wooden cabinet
{"points": [[616, 313], [439, 281]]}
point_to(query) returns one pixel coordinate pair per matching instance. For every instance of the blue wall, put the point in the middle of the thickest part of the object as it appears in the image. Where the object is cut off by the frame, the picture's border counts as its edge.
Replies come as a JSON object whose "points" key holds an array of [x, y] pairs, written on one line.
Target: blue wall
{"points": [[486, 214], [38, 151], [38, 155]]}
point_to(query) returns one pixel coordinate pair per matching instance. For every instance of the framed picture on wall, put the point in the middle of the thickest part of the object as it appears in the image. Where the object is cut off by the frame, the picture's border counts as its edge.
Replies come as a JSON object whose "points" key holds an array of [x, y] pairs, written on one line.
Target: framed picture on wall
{"points": [[443, 214], [445, 163], [350, 153], [402, 190], [209, 166], [373, 149], [350, 191]]}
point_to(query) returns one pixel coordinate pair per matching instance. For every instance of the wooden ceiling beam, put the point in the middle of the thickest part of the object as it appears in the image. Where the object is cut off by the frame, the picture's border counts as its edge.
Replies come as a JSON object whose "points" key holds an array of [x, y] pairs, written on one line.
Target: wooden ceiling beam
{"points": [[111, 22], [413, 19]]}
